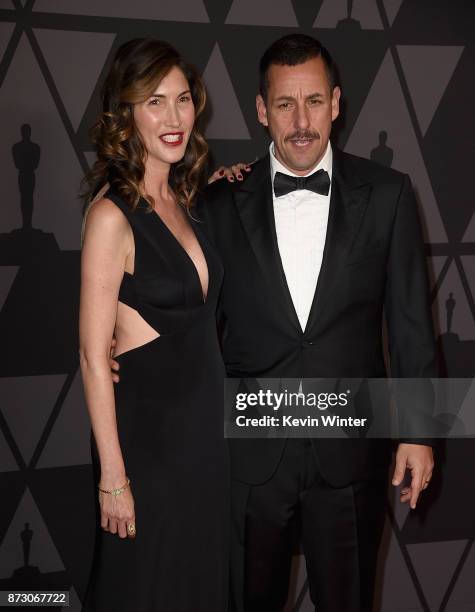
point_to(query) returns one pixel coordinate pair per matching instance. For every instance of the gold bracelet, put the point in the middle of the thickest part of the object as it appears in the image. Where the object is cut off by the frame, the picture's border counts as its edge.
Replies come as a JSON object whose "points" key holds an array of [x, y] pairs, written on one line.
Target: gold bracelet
{"points": [[115, 491]]}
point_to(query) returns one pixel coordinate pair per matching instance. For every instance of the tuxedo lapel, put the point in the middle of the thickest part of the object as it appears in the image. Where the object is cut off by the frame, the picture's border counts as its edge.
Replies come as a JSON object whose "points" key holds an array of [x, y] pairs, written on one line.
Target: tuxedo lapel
{"points": [[255, 206], [348, 201]]}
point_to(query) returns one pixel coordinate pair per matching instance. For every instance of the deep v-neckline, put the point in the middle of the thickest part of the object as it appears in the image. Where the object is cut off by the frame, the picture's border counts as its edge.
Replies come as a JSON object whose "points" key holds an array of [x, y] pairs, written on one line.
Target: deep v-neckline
{"points": [[188, 256]]}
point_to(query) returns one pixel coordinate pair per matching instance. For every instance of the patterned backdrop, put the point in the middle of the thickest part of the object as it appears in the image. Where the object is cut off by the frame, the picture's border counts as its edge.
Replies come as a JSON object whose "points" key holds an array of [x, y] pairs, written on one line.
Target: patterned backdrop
{"points": [[406, 68]]}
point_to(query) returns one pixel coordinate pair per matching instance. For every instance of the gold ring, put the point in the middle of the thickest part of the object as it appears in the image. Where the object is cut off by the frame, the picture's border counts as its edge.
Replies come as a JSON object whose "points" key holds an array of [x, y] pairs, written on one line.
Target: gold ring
{"points": [[131, 528]]}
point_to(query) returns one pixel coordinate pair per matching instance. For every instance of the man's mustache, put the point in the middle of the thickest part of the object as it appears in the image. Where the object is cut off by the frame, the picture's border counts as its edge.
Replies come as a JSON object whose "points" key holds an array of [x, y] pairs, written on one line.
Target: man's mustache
{"points": [[306, 135]]}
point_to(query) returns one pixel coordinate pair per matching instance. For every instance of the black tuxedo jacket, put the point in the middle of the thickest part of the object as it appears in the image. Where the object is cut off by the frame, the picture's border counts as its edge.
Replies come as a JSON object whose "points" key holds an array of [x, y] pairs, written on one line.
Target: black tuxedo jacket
{"points": [[373, 259]]}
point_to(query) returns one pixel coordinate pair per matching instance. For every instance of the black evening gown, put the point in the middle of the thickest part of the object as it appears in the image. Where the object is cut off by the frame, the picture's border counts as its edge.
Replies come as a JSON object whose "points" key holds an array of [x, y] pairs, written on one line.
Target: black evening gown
{"points": [[169, 406]]}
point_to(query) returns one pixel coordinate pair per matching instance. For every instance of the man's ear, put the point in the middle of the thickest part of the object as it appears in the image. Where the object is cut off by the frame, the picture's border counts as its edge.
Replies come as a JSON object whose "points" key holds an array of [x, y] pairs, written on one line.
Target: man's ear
{"points": [[261, 110], [336, 102]]}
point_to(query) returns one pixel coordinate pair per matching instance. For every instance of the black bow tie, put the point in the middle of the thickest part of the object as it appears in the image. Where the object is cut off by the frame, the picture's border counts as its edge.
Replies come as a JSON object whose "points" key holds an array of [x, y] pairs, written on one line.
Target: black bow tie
{"points": [[319, 182]]}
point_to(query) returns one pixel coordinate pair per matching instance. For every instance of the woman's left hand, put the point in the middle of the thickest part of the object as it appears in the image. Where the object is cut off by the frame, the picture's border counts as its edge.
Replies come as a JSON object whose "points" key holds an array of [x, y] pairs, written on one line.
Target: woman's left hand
{"points": [[231, 173]]}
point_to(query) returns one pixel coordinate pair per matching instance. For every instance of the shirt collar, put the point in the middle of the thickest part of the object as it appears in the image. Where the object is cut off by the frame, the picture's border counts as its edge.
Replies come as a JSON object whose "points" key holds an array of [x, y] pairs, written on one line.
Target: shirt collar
{"points": [[325, 163]]}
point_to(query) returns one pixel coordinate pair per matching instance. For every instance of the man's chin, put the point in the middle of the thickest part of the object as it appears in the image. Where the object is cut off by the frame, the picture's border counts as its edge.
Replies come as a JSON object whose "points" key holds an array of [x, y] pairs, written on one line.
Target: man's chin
{"points": [[301, 161]]}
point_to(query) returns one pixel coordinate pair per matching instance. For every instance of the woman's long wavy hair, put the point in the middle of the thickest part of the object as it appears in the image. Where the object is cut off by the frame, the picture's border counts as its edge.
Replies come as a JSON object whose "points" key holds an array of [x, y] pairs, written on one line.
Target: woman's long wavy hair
{"points": [[138, 67]]}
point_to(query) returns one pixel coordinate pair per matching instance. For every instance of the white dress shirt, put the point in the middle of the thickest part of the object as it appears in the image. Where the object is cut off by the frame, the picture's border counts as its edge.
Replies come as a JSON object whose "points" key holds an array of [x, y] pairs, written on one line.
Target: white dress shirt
{"points": [[301, 219]]}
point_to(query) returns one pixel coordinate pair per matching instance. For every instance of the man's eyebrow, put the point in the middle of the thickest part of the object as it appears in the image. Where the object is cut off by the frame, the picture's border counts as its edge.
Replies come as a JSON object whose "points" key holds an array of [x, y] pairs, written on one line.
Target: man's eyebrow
{"points": [[313, 95]]}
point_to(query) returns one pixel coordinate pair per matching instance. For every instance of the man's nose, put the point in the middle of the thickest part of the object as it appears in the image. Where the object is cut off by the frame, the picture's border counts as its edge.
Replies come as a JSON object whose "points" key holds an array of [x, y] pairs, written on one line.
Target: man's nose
{"points": [[301, 117]]}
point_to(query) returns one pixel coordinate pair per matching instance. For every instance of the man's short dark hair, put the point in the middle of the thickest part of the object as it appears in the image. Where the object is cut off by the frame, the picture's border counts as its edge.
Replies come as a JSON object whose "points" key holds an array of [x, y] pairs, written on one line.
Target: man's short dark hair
{"points": [[292, 50]]}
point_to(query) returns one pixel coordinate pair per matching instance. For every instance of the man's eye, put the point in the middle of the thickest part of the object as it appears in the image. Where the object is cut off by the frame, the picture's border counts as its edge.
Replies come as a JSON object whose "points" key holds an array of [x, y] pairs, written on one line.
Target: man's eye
{"points": [[315, 101], [285, 105]]}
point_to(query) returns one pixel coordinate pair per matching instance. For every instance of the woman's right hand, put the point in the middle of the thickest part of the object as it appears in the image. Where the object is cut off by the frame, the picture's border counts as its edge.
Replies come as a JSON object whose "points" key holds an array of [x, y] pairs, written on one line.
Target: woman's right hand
{"points": [[117, 511], [230, 172]]}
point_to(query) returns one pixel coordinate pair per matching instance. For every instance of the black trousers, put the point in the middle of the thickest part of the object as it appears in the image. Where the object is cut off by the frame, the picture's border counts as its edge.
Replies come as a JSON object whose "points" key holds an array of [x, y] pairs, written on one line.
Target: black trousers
{"points": [[339, 529]]}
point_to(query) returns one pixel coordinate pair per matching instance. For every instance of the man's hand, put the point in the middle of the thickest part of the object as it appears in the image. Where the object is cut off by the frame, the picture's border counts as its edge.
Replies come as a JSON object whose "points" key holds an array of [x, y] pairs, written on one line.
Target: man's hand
{"points": [[419, 460], [114, 366]]}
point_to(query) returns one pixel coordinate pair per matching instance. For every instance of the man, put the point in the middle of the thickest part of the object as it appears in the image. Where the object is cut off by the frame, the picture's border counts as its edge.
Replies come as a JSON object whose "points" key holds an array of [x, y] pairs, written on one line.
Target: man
{"points": [[309, 267]]}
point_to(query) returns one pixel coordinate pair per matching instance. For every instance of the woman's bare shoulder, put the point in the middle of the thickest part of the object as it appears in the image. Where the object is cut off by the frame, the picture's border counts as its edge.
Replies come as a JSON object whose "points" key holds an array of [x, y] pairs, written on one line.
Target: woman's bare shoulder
{"points": [[106, 214]]}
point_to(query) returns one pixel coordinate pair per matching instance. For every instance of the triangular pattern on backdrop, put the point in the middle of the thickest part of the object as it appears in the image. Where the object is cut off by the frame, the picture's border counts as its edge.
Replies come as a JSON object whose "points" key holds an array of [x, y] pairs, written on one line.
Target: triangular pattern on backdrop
{"points": [[385, 110], [428, 70], [434, 268], [178, 10], [468, 263], [469, 235], [75, 604], [397, 587], [299, 597], [6, 30], [264, 13], [7, 460], [76, 69], [392, 9], [43, 552], [227, 120], [465, 422], [461, 598], [303, 602], [50, 489], [334, 13], [56, 207], [27, 402], [435, 564], [7, 276], [451, 395], [217, 9], [91, 157], [62, 449], [461, 322]]}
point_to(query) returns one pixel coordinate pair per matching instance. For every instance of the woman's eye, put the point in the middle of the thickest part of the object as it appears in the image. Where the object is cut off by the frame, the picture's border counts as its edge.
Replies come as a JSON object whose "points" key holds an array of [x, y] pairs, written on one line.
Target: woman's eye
{"points": [[185, 99], [154, 101]]}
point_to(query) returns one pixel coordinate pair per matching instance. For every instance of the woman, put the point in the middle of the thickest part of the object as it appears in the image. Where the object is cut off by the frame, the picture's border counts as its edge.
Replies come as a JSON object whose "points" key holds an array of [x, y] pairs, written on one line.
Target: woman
{"points": [[151, 279]]}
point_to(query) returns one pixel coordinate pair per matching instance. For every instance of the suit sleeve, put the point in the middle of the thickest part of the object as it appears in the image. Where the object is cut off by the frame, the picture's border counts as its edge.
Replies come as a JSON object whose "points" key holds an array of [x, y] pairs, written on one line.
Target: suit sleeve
{"points": [[408, 313]]}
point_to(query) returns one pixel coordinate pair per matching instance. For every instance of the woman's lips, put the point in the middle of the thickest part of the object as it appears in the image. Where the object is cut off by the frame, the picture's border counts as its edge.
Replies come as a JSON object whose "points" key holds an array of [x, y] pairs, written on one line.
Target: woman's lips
{"points": [[172, 139]]}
